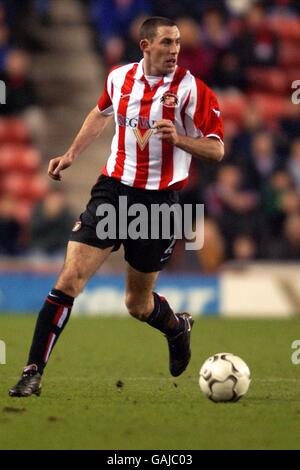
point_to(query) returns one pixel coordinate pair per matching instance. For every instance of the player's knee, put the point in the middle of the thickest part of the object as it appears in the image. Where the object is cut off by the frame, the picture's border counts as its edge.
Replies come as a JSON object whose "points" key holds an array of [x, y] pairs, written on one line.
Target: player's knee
{"points": [[136, 307]]}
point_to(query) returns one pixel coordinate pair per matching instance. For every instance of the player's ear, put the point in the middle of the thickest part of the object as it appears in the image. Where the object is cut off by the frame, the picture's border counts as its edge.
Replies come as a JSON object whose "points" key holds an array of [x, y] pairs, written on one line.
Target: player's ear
{"points": [[144, 44]]}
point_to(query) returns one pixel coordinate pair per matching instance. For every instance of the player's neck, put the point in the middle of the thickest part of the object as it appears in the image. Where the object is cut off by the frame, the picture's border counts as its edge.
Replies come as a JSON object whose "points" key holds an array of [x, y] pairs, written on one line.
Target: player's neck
{"points": [[150, 71]]}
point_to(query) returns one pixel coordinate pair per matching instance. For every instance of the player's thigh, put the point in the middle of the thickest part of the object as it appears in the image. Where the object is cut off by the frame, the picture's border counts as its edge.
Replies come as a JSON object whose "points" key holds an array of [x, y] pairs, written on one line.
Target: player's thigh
{"points": [[139, 285], [81, 262]]}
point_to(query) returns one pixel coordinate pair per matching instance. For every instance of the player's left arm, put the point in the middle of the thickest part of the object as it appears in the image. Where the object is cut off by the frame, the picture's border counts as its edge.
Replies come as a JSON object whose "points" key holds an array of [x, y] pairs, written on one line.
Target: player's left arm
{"points": [[203, 109], [209, 148]]}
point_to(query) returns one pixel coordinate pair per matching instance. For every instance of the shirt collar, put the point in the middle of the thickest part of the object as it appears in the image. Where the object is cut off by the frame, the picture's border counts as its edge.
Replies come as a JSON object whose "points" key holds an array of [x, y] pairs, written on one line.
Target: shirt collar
{"points": [[139, 75]]}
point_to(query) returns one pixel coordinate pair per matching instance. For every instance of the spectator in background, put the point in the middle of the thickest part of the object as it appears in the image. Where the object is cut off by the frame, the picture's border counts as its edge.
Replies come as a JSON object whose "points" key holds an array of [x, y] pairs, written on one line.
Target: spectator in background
{"points": [[287, 248], [234, 207], [256, 45], [215, 32], [51, 224], [193, 56], [228, 192], [10, 229], [112, 20], [244, 249], [228, 73], [114, 51], [290, 125], [264, 160], [290, 202], [21, 96], [241, 146], [272, 193], [17, 15], [20, 89]]}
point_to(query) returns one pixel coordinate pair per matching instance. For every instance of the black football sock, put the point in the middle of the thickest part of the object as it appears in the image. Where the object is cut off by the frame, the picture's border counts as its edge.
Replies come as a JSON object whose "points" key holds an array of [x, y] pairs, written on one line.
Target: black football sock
{"points": [[51, 321], [163, 317]]}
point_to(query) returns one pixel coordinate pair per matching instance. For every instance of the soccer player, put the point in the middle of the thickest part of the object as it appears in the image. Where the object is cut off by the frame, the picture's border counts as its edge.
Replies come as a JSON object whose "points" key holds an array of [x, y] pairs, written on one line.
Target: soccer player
{"points": [[163, 115]]}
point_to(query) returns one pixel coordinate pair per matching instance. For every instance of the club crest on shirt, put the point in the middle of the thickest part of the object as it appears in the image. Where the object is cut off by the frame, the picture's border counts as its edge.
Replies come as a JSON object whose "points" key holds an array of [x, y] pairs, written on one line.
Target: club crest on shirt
{"points": [[169, 99], [77, 226]]}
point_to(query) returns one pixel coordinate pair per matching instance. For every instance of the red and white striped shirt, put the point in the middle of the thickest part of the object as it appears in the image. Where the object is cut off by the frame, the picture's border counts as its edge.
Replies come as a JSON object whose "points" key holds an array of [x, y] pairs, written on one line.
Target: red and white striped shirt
{"points": [[138, 157]]}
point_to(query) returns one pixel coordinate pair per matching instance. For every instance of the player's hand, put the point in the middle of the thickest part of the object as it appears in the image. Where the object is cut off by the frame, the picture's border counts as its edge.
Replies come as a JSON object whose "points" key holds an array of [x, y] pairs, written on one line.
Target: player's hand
{"points": [[165, 129], [58, 164]]}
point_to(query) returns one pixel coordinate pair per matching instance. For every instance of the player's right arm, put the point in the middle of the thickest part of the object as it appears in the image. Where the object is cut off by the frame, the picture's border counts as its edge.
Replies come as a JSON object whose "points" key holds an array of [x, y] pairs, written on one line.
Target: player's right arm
{"points": [[92, 127]]}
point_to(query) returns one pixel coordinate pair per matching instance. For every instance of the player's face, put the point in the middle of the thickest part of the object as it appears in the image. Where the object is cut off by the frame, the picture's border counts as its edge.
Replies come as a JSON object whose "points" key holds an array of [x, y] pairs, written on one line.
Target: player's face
{"points": [[162, 52]]}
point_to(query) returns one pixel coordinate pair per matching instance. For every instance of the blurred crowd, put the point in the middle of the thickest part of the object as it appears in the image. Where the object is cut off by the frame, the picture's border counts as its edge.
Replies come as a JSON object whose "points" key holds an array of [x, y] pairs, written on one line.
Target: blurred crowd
{"points": [[33, 217], [249, 52], [16, 44]]}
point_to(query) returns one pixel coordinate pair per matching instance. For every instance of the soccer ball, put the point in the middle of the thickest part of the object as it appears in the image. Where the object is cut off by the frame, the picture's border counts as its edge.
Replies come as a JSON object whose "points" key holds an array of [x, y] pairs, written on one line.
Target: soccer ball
{"points": [[224, 377]]}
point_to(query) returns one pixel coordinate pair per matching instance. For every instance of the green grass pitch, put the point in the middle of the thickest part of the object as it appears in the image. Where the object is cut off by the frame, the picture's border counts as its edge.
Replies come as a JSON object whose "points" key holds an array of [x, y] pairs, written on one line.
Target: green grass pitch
{"points": [[81, 406]]}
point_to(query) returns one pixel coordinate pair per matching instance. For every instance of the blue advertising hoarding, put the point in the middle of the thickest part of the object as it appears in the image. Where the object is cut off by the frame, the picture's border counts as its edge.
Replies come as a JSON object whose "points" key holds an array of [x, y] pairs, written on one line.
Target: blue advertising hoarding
{"points": [[23, 292]]}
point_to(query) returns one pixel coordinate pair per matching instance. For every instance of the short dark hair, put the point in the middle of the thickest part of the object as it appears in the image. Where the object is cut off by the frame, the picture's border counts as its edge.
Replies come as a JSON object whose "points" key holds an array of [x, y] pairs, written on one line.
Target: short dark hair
{"points": [[149, 27]]}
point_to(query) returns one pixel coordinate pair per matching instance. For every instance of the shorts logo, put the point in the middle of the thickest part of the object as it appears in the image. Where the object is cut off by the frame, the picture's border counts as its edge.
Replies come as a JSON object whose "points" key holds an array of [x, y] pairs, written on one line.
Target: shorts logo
{"points": [[142, 139], [77, 226], [169, 99]]}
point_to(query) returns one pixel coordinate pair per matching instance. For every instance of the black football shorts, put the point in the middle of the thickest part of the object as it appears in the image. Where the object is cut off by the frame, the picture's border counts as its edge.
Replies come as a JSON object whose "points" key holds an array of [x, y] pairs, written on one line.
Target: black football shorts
{"points": [[146, 253]]}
